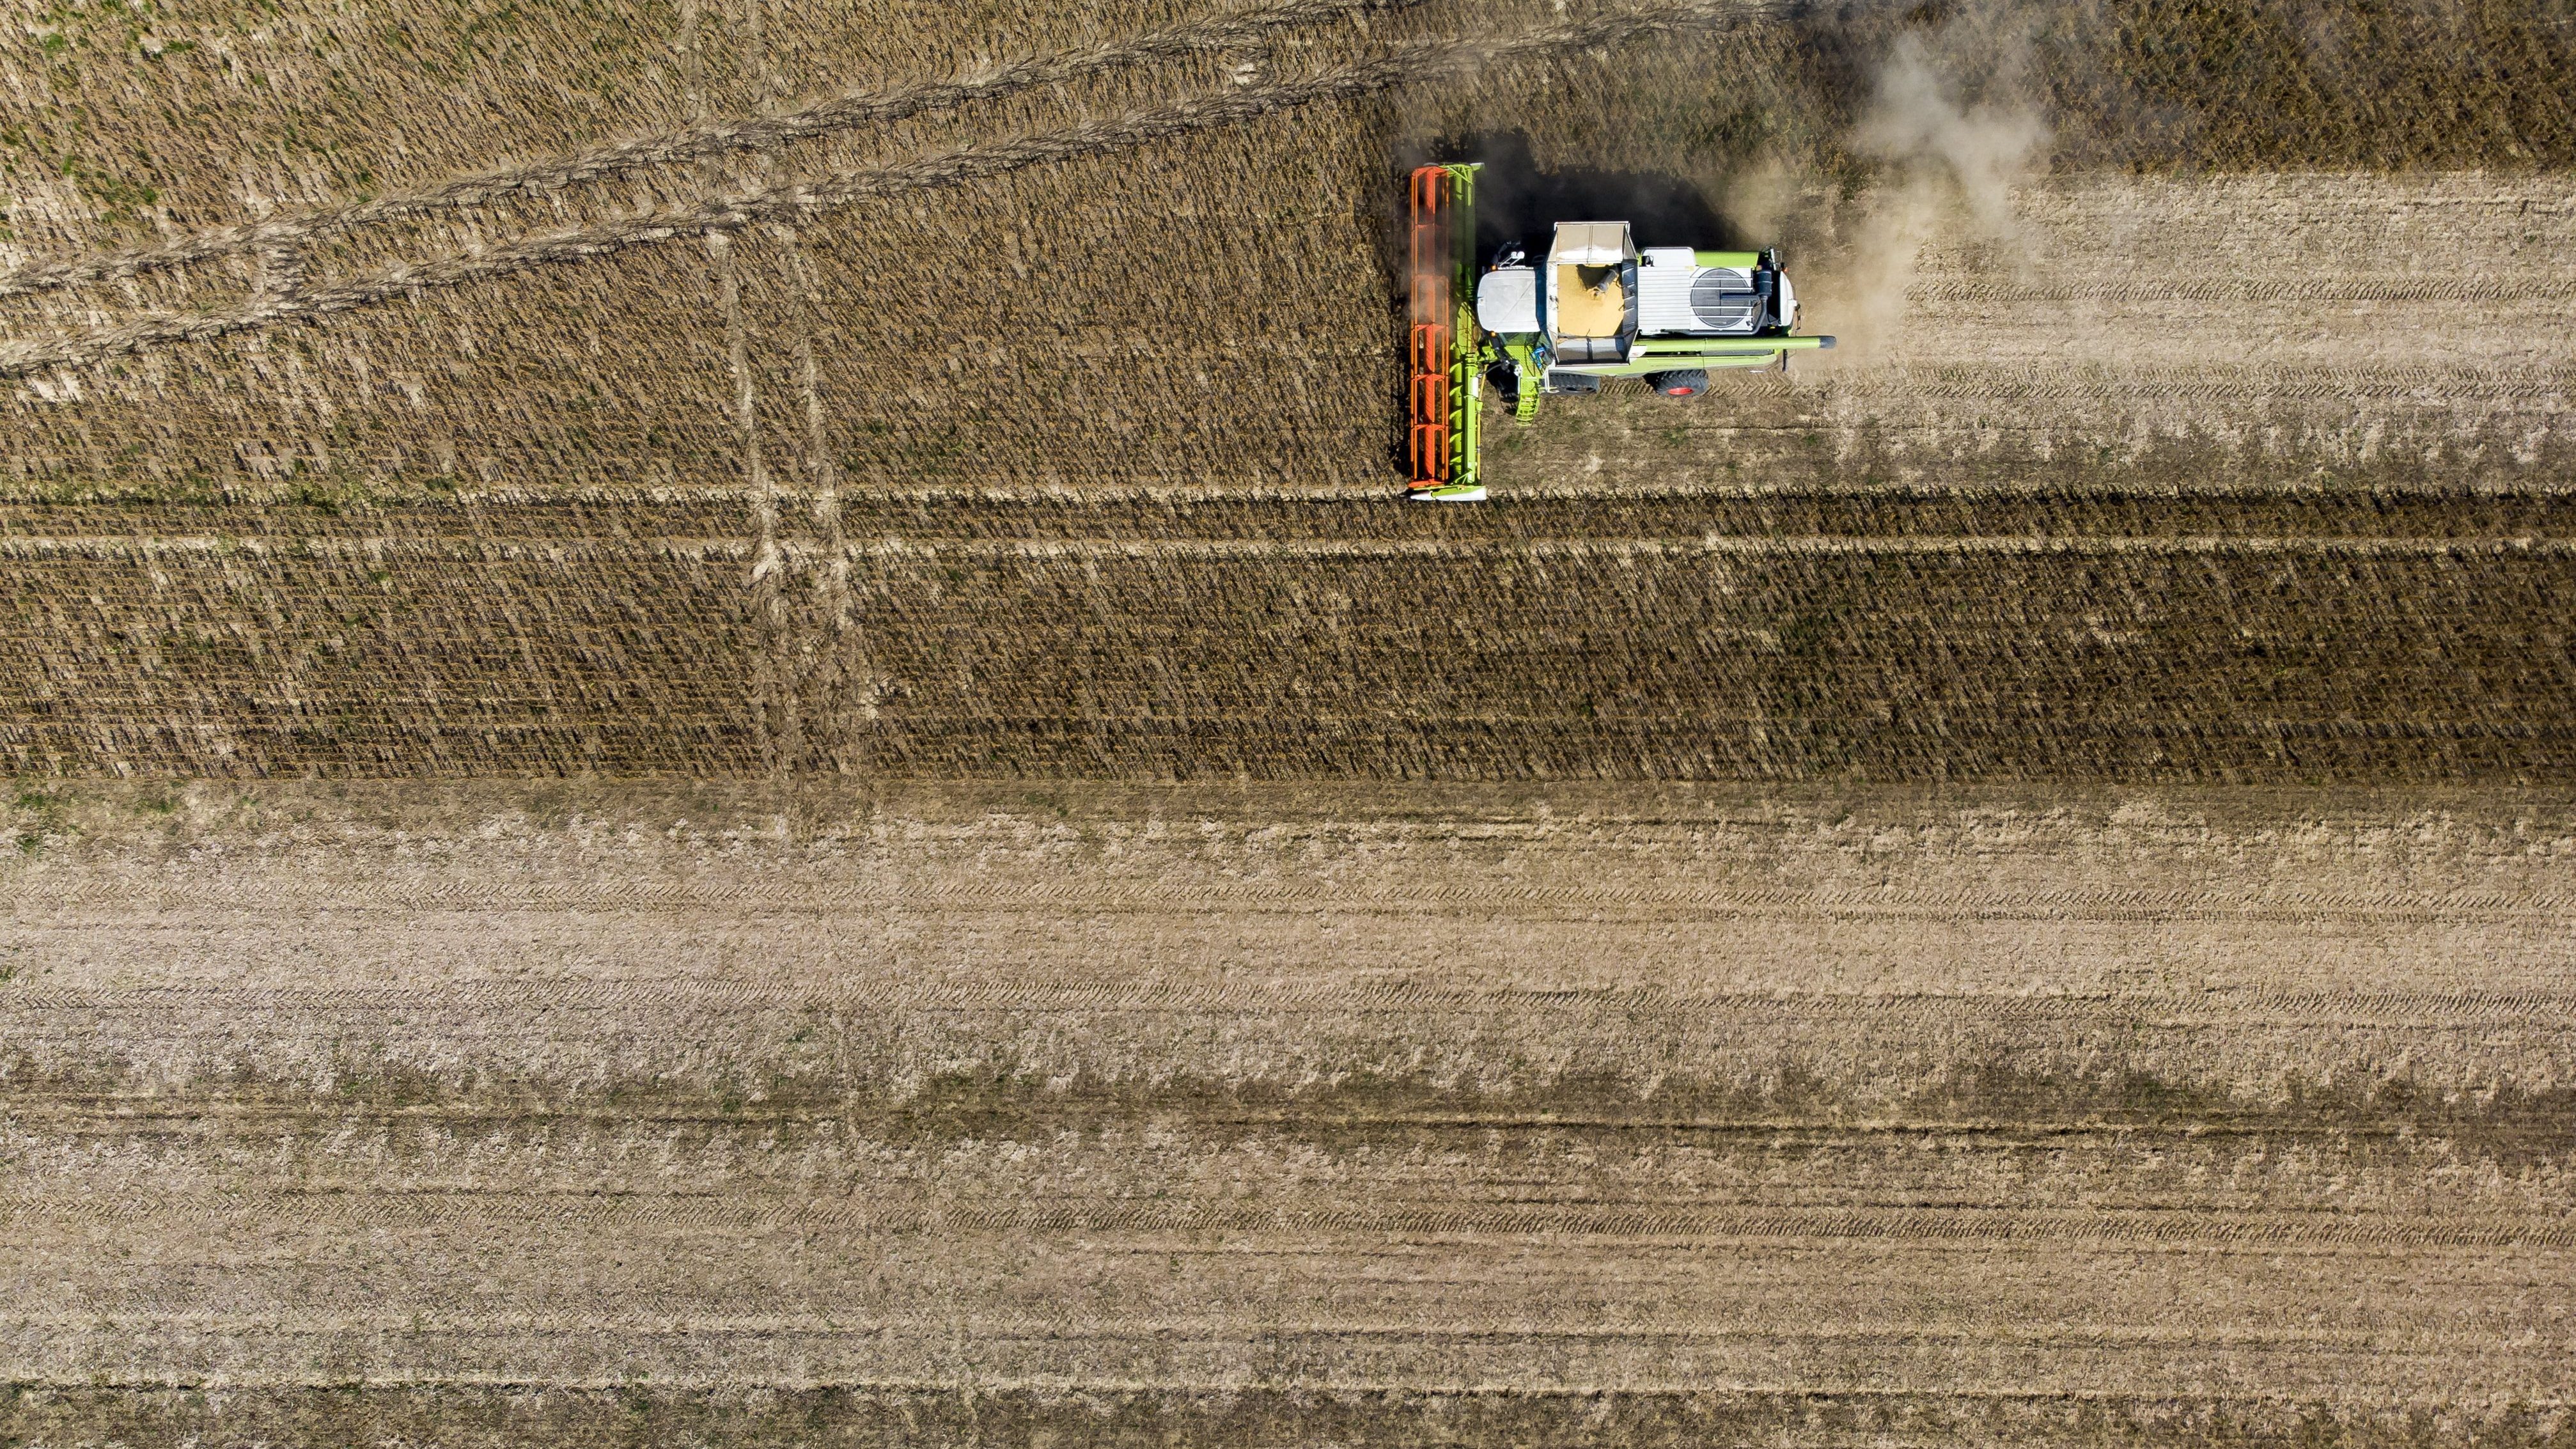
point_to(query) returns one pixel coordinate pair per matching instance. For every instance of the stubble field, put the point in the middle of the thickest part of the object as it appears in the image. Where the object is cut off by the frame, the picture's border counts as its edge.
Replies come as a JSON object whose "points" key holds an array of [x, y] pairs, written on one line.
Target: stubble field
{"points": [[1255, 1114], [722, 731]]}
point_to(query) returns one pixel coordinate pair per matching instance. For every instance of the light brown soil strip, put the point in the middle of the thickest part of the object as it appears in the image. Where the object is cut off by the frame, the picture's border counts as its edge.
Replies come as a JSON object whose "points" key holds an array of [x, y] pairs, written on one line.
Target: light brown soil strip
{"points": [[2207, 1231], [832, 651], [1412, 62], [1111, 493], [703, 140]]}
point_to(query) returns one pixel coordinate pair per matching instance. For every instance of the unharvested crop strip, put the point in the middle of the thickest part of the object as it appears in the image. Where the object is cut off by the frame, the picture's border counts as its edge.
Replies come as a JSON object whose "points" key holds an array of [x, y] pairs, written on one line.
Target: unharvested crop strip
{"points": [[700, 141], [1414, 61]]}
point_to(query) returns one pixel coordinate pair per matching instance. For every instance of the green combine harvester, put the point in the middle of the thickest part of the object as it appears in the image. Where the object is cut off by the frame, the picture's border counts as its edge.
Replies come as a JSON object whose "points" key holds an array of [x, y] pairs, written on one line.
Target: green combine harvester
{"points": [[1596, 306]]}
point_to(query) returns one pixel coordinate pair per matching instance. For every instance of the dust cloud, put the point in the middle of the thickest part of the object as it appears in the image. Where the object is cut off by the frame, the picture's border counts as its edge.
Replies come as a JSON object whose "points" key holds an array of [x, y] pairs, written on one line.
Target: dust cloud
{"points": [[1951, 166]]}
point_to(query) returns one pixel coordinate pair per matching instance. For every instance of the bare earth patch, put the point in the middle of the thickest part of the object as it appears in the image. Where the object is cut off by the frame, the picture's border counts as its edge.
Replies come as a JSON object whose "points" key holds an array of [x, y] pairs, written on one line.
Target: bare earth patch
{"points": [[1653, 1105]]}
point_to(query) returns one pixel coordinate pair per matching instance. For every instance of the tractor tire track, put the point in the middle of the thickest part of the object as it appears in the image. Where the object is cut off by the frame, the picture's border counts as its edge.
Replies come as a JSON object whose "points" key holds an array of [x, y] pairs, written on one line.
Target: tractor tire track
{"points": [[674, 999], [323, 1210], [1112, 494], [1415, 61], [702, 140], [2238, 290], [2213, 383]]}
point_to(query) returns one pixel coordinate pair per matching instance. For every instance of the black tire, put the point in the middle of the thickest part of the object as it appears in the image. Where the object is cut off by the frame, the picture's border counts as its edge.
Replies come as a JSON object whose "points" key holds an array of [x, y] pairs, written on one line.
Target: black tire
{"points": [[1573, 382], [1688, 383]]}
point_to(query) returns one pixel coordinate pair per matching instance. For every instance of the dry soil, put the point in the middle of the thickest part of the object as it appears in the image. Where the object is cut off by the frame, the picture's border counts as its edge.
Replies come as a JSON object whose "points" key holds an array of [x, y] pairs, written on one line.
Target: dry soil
{"points": [[1264, 1115], [722, 731]]}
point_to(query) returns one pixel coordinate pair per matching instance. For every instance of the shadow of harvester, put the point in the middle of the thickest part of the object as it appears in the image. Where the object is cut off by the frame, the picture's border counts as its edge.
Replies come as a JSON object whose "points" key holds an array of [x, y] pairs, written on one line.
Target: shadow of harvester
{"points": [[1516, 200]]}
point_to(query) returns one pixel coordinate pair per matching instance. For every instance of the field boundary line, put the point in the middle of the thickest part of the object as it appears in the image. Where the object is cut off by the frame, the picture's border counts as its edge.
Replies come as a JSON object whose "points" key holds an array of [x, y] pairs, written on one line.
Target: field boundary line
{"points": [[2536, 285], [2549, 486], [2167, 1405], [1413, 61], [701, 140], [1498, 900], [104, 1115], [787, 551], [652, 1318], [1742, 546], [2180, 1406], [2258, 1011], [2005, 384], [1932, 1227]]}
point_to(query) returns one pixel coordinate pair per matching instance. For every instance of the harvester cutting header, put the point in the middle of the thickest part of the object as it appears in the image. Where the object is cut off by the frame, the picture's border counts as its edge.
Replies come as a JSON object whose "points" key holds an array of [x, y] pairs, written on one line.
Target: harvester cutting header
{"points": [[1596, 306]]}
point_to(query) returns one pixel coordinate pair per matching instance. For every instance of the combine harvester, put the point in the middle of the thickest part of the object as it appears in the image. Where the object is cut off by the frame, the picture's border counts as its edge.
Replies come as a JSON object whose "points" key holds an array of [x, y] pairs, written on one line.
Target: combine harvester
{"points": [[1599, 307]]}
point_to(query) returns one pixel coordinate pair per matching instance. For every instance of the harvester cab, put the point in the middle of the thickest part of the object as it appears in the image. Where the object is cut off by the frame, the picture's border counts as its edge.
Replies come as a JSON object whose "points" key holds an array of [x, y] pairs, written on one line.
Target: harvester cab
{"points": [[1596, 306]]}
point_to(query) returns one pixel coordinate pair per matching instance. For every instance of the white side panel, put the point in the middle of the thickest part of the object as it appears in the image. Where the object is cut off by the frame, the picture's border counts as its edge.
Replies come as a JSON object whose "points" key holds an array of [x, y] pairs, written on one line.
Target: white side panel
{"points": [[1590, 244], [1507, 300]]}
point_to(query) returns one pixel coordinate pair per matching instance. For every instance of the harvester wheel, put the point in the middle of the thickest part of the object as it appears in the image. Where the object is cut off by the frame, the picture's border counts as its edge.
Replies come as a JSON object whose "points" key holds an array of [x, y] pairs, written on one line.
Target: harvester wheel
{"points": [[1689, 383]]}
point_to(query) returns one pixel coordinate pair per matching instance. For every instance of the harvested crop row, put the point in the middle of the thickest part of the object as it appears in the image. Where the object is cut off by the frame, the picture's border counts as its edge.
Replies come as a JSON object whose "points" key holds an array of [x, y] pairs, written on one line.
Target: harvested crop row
{"points": [[1685, 1062], [1365, 1418], [771, 1093]]}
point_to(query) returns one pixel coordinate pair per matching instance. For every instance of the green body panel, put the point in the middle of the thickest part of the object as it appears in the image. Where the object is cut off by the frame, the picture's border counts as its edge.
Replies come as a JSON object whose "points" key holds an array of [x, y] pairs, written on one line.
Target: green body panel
{"points": [[1467, 358], [1672, 354], [1644, 367], [1742, 261], [1668, 347], [1523, 351], [1467, 403]]}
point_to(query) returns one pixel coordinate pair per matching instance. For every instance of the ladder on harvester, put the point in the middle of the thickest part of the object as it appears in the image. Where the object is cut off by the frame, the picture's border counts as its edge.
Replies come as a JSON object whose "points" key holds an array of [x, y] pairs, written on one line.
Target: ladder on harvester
{"points": [[1444, 361]]}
